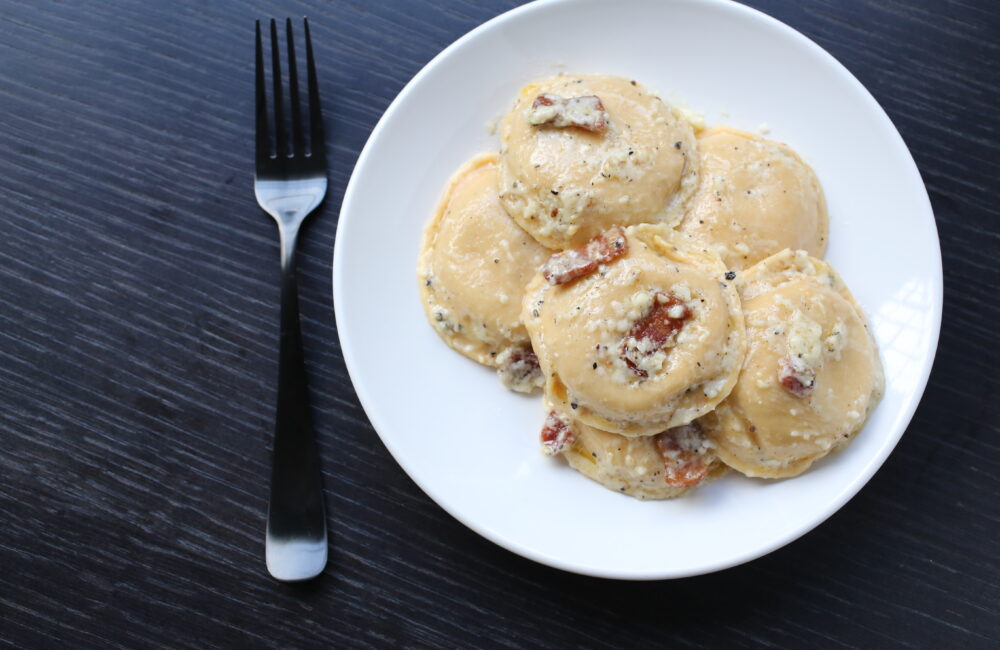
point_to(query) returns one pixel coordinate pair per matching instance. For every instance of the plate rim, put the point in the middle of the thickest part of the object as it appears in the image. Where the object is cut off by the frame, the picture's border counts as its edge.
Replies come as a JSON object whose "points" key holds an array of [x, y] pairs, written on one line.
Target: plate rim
{"points": [[849, 490]]}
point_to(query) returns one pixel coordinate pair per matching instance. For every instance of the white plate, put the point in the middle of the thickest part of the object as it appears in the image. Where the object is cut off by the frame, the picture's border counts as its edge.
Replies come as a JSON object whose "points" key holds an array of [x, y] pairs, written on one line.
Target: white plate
{"points": [[470, 444]]}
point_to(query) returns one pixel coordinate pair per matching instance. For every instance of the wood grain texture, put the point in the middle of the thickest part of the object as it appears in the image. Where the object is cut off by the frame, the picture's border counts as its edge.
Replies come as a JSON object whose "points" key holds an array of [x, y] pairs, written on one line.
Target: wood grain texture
{"points": [[138, 327]]}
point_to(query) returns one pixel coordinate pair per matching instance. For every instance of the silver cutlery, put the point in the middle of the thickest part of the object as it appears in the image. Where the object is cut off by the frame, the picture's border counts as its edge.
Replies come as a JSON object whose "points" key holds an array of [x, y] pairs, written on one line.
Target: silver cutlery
{"points": [[290, 181]]}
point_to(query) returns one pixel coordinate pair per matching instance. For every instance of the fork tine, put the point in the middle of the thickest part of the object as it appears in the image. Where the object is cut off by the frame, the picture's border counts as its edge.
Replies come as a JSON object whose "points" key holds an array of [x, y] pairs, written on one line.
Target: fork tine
{"points": [[318, 146], [280, 150], [298, 148], [263, 137]]}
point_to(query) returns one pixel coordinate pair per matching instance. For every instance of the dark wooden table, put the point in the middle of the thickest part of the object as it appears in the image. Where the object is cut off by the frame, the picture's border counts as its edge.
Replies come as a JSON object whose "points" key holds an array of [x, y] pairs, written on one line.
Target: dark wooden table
{"points": [[138, 327]]}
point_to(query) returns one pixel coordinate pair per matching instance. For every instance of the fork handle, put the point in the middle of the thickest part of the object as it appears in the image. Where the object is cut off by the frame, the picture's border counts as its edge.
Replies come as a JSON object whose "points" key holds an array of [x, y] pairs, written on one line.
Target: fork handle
{"points": [[296, 542]]}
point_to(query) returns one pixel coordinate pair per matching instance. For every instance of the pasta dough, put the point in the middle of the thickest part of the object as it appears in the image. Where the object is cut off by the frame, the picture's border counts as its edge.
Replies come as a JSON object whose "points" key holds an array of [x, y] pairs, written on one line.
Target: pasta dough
{"points": [[662, 466], [473, 267], [811, 375], [566, 184], [755, 198], [647, 342]]}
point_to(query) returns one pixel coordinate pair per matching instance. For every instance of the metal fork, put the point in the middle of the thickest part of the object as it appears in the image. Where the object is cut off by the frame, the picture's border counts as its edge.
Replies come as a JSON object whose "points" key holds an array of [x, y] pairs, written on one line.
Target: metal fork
{"points": [[289, 184]]}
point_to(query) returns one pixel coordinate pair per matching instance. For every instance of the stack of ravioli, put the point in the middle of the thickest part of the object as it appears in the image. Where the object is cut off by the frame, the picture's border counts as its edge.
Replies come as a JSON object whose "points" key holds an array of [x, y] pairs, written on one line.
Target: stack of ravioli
{"points": [[662, 286]]}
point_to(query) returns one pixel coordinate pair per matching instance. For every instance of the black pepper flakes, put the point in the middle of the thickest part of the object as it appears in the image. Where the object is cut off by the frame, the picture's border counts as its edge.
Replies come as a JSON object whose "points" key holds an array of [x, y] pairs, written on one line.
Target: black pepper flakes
{"points": [[731, 275], [595, 365], [677, 145], [554, 192], [573, 405]]}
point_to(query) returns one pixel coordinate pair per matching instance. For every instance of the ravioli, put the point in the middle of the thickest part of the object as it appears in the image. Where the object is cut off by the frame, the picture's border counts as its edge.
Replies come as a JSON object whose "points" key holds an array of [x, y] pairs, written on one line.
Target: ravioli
{"points": [[650, 338], [473, 267], [661, 466], [581, 153], [666, 291], [812, 373], [755, 198]]}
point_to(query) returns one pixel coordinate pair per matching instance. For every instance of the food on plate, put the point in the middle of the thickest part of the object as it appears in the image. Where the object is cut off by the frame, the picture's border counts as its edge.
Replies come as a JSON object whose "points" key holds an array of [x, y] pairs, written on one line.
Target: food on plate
{"points": [[812, 374], [661, 466], [755, 198], [474, 265], [665, 292], [636, 331], [582, 153]]}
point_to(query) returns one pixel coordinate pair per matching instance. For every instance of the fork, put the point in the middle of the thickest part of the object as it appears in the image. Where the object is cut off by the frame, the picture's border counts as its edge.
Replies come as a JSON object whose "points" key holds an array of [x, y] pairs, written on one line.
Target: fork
{"points": [[289, 184]]}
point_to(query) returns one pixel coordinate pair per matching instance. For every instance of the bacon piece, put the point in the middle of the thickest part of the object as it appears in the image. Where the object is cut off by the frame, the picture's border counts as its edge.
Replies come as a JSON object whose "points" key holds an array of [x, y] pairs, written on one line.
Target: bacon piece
{"points": [[656, 330], [585, 112], [684, 455], [577, 262], [519, 370], [557, 434], [796, 376]]}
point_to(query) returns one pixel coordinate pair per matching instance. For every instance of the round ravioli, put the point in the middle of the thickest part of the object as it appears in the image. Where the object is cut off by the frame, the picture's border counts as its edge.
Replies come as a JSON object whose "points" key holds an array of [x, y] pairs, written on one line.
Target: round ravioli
{"points": [[755, 198], [636, 332], [812, 373], [661, 466], [473, 267], [579, 154]]}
